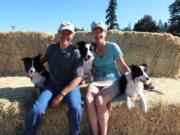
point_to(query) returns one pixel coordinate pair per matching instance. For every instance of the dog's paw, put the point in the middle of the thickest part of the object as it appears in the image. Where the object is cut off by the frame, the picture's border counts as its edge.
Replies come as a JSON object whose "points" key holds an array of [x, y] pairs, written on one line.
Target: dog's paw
{"points": [[128, 103], [144, 107]]}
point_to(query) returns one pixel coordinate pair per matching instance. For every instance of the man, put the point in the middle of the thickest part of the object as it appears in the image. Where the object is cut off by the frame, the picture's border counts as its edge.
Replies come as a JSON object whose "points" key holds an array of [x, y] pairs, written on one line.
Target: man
{"points": [[65, 68]]}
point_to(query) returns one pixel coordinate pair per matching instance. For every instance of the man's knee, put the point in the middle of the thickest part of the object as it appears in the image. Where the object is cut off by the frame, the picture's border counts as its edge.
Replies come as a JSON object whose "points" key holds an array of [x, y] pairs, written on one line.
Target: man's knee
{"points": [[38, 109]]}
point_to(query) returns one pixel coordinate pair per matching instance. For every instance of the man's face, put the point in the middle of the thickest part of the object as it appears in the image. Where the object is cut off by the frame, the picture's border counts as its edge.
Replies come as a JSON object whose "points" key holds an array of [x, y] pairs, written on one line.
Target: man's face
{"points": [[65, 37]]}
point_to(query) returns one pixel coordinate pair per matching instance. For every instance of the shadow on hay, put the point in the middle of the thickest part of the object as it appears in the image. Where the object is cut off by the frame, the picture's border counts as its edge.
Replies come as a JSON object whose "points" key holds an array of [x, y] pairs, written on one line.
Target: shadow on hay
{"points": [[24, 96], [14, 102], [12, 74]]}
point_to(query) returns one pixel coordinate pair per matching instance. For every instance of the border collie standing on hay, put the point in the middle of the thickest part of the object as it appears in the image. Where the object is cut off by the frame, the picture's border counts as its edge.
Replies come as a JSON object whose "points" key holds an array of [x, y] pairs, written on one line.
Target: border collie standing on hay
{"points": [[133, 84], [87, 51], [36, 71]]}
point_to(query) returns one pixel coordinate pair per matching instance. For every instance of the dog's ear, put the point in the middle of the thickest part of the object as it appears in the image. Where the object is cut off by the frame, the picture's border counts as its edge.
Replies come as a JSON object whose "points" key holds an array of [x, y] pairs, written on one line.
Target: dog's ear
{"points": [[145, 66], [80, 43], [38, 56], [26, 59], [131, 66], [94, 45], [25, 62]]}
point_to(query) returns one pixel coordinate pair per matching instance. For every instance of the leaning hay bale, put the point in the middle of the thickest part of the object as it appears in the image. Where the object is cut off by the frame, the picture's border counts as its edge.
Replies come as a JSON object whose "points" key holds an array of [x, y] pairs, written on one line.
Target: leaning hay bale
{"points": [[162, 118], [16, 45]]}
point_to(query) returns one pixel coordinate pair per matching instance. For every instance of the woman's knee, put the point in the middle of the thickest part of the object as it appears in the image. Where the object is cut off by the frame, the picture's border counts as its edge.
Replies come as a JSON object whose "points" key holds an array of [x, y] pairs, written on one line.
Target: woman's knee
{"points": [[91, 94], [100, 103], [89, 97]]}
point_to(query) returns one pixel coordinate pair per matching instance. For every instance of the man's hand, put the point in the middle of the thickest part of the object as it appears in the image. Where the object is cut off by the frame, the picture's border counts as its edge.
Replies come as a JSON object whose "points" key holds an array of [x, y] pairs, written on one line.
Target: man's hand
{"points": [[57, 100]]}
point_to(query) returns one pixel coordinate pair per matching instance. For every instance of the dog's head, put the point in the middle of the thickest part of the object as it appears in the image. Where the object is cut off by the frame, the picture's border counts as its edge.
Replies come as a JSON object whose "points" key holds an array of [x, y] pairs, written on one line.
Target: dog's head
{"points": [[32, 66], [87, 50], [139, 72]]}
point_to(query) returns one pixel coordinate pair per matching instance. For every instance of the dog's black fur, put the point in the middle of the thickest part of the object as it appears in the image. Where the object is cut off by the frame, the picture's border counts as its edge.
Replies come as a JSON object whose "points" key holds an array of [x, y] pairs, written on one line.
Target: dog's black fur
{"points": [[36, 71], [87, 51]]}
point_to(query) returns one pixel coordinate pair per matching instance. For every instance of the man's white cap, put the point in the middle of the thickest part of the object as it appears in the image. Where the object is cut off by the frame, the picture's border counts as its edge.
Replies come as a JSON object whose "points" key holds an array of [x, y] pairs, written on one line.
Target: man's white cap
{"points": [[98, 25], [66, 26]]}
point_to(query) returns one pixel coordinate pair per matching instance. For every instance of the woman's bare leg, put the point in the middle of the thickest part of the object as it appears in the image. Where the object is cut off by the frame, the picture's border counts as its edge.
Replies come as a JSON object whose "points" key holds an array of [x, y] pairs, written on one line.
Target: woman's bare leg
{"points": [[91, 108], [105, 95]]}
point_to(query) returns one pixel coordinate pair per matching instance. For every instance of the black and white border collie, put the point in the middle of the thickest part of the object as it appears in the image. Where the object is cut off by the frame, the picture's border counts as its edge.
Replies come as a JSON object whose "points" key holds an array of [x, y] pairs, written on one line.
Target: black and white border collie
{"points": [[133, 83], [87, 51], [36, 71]]}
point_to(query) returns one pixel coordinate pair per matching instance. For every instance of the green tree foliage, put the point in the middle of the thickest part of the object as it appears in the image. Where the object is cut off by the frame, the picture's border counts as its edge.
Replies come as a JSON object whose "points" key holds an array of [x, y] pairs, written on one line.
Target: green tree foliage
{"points": [[111, 18], [174, 20], [160, 26], [128, 28], [79, 29], [163, 27], [146, 24]]}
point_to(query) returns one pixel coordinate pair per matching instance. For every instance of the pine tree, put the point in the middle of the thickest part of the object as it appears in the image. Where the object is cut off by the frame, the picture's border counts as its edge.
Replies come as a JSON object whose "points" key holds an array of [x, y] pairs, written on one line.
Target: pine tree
{"points": [[165, 27], [160, 26], [174, 20], [128, 28], [111, 18]]}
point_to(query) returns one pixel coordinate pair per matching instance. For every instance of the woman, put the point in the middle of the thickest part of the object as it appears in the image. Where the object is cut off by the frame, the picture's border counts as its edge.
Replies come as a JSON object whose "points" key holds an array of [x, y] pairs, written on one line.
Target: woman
{"points": [[105, 85]]}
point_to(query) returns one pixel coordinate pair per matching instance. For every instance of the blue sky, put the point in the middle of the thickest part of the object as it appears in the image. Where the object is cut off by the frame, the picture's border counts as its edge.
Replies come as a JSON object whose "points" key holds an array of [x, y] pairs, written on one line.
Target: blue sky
{"points": [[46, 15]]}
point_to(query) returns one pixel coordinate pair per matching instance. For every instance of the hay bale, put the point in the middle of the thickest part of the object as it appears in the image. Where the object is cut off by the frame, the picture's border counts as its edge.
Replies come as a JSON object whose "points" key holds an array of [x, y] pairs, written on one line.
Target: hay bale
{"points": [[163, 116], [86, 36], [160, 120], [162, 50], [16, 45]]}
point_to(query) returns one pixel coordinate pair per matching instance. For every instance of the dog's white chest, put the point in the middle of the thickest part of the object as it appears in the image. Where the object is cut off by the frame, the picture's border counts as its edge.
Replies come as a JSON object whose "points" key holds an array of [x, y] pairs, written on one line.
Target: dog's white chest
{"points": [[133, 88], [87, 67], [39, 80]]}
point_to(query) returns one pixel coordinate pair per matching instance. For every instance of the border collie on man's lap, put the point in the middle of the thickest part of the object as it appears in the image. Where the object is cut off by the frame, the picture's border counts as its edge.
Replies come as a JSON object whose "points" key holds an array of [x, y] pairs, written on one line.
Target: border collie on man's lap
{"points": [[36, 71], [133, 84]]}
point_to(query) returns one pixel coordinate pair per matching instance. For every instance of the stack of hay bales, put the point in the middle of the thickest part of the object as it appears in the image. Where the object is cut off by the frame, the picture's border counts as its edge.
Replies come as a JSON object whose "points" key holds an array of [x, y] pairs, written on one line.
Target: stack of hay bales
{"points": [[160, 51]]}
